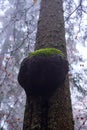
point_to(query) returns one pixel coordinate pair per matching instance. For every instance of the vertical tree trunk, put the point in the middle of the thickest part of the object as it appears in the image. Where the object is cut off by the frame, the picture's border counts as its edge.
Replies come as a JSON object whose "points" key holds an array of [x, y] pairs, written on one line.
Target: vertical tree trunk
{"points": [[51, 33]]}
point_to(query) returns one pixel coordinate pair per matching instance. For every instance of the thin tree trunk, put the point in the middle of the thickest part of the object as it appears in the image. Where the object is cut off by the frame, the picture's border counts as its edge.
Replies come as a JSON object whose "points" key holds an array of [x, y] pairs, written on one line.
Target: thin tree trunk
{"points": [[51, 33]]}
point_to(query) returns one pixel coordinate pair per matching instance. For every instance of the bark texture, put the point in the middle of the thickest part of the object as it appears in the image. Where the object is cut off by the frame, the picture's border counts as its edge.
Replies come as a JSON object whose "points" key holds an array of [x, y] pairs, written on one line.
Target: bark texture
{"points": [[51, 33]]}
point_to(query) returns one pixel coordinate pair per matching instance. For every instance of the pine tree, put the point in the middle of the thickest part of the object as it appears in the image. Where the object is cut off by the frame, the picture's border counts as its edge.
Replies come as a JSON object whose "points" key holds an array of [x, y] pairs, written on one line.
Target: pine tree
{"points": [[58, 114]]}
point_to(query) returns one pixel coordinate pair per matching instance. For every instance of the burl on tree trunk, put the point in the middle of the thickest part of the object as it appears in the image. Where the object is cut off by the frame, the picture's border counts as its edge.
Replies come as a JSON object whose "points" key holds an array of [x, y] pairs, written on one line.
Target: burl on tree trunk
{"points": [[41, 73], [49, 104]]}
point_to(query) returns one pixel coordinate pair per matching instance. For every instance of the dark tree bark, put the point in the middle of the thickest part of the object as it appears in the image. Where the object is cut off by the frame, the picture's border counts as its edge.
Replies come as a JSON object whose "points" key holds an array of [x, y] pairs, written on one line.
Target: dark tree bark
{"points": [[51, 33]]}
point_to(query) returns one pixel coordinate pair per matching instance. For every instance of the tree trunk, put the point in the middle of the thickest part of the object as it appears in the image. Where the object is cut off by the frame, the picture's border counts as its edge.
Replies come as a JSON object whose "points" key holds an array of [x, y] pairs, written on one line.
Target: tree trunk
{"points": [[51, 33]]}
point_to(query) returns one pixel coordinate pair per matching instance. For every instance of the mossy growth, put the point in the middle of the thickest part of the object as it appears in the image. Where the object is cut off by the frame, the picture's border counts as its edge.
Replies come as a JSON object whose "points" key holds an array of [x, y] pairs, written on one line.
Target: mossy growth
{"points": [[43, 72], [46, 52]]}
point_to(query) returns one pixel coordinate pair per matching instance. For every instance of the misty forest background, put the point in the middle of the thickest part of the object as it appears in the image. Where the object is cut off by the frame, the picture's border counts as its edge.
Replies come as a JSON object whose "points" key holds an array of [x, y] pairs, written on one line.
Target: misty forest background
{"points": [[18, 27]]}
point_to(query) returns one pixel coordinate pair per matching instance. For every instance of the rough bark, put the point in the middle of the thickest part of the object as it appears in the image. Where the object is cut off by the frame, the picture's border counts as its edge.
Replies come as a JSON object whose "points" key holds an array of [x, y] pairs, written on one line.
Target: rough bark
{"points": [[51, 33]]}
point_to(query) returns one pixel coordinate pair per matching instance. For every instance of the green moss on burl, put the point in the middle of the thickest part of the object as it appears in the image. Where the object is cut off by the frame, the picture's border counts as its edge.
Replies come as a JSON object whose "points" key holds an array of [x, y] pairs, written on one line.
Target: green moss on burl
{"points": [[46, 52], [42, 72]]}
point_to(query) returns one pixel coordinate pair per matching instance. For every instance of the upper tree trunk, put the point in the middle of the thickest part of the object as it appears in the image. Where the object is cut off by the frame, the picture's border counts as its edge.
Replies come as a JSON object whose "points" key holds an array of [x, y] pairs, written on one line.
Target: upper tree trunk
{"points": [[51, 33]]}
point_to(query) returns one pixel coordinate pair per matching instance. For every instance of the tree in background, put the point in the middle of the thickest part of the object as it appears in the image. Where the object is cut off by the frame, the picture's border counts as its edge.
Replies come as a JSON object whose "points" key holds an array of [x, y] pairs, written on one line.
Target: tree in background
{"points": [[18, 20], [51, 33]]}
